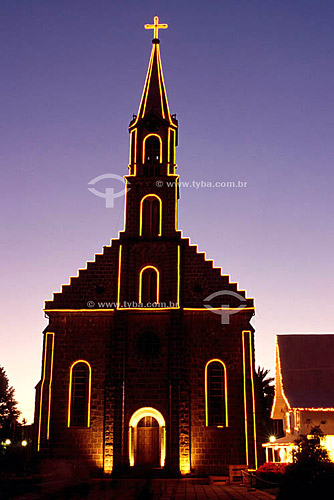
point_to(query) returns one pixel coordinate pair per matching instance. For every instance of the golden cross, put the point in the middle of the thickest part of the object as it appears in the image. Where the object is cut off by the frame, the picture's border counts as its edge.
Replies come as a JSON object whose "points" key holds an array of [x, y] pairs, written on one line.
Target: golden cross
{"points": [[156, 26]]}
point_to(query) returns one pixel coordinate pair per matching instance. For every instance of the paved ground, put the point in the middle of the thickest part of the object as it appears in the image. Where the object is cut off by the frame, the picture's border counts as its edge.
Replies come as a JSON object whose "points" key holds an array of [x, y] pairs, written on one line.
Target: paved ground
{"points": [[141, 489]]}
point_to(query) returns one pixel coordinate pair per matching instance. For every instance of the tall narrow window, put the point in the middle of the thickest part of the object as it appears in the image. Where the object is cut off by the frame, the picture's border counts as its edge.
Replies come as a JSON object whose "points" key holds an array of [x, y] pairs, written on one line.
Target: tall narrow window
{"points": [[152, 155], [152, 149], [216, 394], [149, 285], [150, 223], [79, 396]]}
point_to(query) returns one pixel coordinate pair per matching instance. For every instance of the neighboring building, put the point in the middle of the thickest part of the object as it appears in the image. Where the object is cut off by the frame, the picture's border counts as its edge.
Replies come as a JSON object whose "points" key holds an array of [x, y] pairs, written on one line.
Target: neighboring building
{"points": [[141, 366], [304, 391]]}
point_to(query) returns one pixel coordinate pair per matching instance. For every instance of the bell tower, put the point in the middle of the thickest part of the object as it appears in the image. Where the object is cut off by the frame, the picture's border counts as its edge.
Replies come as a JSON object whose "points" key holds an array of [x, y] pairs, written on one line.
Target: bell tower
{"points": [[151, 206]]}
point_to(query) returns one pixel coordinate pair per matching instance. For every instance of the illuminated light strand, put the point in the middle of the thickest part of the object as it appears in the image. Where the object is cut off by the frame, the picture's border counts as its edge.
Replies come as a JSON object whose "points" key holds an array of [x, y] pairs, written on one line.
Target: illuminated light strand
{"points": [[206, 391], [41, 396], [144, 141], [42, 389], [119, 275], [50, 386], [146, 309], [169, 150], [279, 382], [159, 78], [217, 308], [287, 419], [178, 276], [174, 149], [176, 204], [131, 448], [253, 396], [133, 152], [281, 379], [111, 309], [141, 213], [156, 26], [141, 281], [125, 203], [314, 409], [148, 81], [70, 391], [80, 310], [275, 391], [245, 395]]}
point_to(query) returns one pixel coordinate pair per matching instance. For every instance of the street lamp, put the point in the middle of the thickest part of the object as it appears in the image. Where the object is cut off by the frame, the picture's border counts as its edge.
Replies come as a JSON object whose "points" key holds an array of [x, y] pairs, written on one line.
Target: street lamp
{"points": [[24, 443], [8, 442]]}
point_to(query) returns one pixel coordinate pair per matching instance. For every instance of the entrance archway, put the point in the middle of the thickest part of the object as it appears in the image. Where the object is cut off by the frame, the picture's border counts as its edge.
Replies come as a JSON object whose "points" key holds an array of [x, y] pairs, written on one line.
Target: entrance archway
{"points": [[147, 438]]}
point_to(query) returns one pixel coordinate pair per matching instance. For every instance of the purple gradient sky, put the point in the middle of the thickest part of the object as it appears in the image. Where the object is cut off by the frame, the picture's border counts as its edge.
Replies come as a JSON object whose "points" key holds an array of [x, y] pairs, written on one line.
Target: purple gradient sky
{"points": [[252, 85]]}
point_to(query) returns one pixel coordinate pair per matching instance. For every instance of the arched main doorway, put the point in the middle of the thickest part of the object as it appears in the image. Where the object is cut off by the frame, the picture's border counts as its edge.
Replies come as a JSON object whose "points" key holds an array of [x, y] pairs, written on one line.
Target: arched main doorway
{"points": [[147, 438]]}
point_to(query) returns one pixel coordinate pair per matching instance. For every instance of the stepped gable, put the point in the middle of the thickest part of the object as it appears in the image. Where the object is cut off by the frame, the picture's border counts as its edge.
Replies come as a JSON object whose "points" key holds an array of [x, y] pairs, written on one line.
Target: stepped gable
{"points": [[95, 283], [201, 279]]}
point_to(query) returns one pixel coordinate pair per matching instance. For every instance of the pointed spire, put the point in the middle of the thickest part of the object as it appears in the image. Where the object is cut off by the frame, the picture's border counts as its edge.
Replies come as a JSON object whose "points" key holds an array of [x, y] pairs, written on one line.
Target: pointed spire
{"points": [[154, 97]]}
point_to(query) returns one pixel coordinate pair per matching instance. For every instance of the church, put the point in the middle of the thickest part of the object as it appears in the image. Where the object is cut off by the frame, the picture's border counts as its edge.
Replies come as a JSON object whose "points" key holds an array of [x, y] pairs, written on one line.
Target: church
{"points": [[143, 367]]}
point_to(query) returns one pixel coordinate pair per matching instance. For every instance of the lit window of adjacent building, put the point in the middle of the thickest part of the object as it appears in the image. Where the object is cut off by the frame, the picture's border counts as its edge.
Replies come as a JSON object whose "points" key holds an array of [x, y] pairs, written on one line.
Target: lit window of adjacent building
{"points": [[79, 395], [297, 419]]}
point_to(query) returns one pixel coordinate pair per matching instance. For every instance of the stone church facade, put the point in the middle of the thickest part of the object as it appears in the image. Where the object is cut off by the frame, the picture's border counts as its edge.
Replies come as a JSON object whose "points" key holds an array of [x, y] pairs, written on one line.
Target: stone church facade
{"points": [[142, 365]]}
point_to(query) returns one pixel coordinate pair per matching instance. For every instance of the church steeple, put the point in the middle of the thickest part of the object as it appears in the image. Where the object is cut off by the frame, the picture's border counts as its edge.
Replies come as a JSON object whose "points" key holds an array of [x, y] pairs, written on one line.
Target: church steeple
{"points": [[154, 97], [153, 130], [151, 201]]}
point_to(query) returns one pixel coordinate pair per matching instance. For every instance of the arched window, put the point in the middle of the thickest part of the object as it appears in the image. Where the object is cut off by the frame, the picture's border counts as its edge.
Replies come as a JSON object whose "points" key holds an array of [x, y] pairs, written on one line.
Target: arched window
{"points": [[152, 147], [150, 216], [79, 394], [149, 285], [216, 393]]}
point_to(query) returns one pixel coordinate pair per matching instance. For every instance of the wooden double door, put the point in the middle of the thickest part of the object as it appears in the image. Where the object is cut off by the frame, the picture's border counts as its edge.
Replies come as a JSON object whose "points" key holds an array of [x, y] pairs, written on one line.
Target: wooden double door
{"points": [[148, 443]]}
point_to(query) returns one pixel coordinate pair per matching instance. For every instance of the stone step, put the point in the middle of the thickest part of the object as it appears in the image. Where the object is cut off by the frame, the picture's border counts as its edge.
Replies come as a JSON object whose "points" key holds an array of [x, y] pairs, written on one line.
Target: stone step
{"points": [[219, 480]]}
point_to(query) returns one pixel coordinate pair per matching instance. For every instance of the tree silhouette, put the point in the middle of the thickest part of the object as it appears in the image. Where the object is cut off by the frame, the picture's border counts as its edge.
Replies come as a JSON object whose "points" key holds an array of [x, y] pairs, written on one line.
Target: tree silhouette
{"points": [[8, 410], [311, 475], [266, 390], [309, 450]]}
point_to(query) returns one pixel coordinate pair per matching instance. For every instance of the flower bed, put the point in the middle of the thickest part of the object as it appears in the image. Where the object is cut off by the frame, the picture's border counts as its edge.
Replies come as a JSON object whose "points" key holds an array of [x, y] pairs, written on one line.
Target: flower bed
{"points": [[270, 474]]}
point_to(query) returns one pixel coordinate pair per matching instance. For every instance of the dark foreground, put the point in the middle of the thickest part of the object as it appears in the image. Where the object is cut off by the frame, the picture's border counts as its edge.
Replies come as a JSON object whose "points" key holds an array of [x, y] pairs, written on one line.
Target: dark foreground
{"points": [[141, 489]]}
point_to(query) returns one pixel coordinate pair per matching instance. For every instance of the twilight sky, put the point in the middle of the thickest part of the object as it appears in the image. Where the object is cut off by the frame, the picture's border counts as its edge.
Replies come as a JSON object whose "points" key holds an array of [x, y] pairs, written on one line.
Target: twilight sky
{"points": [[252, 84]]}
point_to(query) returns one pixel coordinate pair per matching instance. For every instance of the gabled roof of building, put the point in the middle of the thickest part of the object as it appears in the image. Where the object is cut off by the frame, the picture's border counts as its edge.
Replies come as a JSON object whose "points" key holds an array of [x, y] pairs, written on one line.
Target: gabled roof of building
{"points": [[307, 369]]}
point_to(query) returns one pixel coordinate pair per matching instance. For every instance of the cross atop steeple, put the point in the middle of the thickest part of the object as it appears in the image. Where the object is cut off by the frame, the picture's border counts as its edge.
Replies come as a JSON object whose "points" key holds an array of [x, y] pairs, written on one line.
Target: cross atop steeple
{"points": [[156, 26], [154, 97]]}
